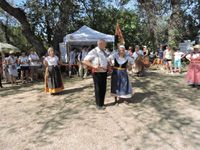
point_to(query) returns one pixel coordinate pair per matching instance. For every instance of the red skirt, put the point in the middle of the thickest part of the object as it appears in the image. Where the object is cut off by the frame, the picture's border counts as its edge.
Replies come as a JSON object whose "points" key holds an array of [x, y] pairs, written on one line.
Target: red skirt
{"points": [[193, 73]]}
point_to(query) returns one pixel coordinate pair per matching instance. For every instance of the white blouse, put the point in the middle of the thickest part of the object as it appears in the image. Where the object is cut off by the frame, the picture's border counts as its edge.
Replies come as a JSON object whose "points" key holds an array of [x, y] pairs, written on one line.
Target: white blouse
{"points": [[52, 61], [24, 61], [135, 54], [120, 60], [34, 57], [12, 60], [193, 56], [97, 57]]}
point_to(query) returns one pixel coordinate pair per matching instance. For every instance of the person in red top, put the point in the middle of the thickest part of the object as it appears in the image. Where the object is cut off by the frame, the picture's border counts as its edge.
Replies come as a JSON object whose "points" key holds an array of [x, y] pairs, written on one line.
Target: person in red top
{"points": [[1, 70]]}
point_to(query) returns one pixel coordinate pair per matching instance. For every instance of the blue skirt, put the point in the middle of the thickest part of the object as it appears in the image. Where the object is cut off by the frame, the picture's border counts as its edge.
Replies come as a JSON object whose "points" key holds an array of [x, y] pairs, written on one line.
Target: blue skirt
{"points": [[120, 85]]}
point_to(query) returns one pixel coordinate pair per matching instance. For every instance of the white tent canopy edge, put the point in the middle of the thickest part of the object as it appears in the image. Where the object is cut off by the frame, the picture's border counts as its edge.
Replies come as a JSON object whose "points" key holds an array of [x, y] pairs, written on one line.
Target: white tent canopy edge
{"points": [[86, 35]]}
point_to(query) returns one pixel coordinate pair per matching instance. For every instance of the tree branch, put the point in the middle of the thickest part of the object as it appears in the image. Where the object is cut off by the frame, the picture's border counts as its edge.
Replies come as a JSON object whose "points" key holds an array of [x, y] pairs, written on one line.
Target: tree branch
{"points": [[20, 15]]}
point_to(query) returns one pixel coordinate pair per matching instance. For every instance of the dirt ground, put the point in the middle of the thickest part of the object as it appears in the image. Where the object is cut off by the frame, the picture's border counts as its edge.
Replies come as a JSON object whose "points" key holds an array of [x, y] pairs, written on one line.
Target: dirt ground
{"points": [[163, 114]]}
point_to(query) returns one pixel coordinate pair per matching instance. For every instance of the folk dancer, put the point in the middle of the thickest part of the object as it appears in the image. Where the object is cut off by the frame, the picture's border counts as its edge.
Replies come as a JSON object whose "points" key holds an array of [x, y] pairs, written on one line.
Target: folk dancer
{"points": [[53, 79], [97, 60], [120, 84], [193, 73]]}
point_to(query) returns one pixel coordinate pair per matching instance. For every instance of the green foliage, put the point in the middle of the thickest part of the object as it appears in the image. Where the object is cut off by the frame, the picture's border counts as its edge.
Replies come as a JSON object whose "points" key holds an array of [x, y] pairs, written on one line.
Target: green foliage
{"points": [[138, 27]]}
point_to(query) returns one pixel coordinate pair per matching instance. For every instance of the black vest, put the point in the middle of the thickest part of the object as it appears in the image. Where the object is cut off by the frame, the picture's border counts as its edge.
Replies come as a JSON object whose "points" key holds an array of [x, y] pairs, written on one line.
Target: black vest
{"points": [[120, 66]]}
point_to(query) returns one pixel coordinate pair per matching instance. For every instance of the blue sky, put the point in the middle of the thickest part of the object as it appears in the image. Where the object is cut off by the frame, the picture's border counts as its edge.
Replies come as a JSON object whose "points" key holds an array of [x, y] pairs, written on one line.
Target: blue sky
{"points": [[18, 2]]}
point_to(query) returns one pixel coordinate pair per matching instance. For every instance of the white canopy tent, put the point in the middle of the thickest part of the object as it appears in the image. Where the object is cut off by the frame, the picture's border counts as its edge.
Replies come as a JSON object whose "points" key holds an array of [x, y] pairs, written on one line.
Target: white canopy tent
{"points": [[6, 48], [83, 36], [86, 35]]}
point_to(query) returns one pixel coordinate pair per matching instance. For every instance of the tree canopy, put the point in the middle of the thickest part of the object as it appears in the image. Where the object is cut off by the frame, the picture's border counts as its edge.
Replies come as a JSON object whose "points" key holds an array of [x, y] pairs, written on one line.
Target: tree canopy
{"points": [[43, 23]]}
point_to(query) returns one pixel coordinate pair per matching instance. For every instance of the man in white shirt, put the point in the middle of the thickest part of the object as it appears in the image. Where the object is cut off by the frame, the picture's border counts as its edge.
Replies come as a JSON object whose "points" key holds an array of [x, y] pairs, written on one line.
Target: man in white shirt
{"points": [[82, 68], [97, 60], [34, 65]]}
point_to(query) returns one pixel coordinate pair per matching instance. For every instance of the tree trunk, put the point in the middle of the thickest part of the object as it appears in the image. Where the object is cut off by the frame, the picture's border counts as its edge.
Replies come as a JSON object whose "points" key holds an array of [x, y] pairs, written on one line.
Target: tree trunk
{"points": [[26, 27], [6, 31], [47, 24], [66, 8], [149, 7], [174, 27]]}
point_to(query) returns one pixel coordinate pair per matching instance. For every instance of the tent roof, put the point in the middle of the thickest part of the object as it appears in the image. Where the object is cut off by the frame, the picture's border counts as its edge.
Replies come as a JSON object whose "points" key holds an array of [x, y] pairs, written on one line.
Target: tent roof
{"points": [[86, 34], [5, 47]]}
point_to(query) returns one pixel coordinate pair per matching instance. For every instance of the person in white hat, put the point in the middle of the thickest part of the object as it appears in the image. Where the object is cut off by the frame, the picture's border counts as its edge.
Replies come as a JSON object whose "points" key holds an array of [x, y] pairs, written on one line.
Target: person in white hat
{"points": [[193, 73], [120, 85]]}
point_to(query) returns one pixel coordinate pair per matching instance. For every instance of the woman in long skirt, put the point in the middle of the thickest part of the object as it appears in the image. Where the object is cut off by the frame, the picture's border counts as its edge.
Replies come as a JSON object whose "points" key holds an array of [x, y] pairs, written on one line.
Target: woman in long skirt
{"points": [[120, 84], [53, 79], [193, 73]]}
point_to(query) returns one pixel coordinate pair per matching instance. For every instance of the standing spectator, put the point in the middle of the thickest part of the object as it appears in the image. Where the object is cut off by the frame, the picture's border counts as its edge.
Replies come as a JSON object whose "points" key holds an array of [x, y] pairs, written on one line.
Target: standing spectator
{"points": [[1, 70], [82, 69], [146, 57], [168, 56], [193, 73], [160, 55], [151, 56], [5, 68], [72, 61], [18, 66], [12, 67], [138, 66], [145, 51], [34, 65], [24, 65], [178, 55], [130, 51]]}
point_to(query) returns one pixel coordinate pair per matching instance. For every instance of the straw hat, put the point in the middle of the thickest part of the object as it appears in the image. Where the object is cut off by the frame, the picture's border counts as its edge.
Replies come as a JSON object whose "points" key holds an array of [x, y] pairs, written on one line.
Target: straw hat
{"points": [[196, 46]]}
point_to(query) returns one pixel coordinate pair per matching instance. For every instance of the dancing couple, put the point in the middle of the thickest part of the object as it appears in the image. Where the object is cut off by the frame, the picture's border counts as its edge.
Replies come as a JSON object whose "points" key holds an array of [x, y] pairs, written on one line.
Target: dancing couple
{"points": [[117, 63]]}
